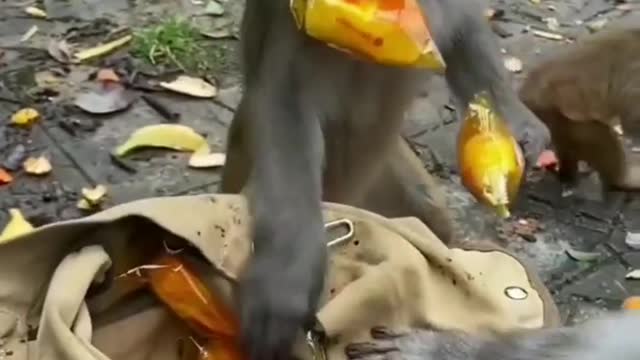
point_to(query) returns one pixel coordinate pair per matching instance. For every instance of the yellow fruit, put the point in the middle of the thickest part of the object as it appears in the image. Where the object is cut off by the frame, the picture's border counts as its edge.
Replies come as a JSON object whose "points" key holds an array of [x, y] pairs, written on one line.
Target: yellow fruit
{"points": [[490, 160]]}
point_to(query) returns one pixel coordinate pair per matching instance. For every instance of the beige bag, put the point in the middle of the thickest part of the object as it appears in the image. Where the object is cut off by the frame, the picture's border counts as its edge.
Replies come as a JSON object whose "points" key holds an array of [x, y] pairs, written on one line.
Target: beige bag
{"points": [[391, 272]]}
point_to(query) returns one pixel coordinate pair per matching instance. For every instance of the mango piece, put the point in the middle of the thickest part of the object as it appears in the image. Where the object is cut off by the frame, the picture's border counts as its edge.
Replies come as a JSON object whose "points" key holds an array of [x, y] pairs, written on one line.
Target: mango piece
{"points": [[389, 32], [490, 160]]}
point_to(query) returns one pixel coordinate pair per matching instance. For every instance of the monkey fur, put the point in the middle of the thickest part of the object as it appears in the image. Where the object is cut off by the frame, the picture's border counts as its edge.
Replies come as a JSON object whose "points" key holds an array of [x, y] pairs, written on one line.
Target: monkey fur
{"points": [[584, 91], [614, 336], [317, 124]]}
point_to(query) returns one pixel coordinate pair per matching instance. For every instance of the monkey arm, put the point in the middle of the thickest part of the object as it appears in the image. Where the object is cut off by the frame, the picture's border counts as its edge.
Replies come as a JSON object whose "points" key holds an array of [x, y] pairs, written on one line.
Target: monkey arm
{"points": [[613, 337], [472, 55], [283, 282]]}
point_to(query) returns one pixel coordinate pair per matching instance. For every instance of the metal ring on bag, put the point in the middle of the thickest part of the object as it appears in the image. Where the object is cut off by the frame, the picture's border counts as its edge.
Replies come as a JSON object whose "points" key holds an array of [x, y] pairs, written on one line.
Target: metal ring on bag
{"points": [[318, 352], [344, 238]]}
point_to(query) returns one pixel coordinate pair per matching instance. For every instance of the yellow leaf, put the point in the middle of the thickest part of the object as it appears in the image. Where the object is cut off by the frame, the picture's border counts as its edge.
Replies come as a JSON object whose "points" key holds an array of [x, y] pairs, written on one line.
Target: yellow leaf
{"points": [[16, 226], [94, 195], [199, 160], [35, 12], [191, 86], [25, 117], [37, 166], [102, 49], [83, 204], [172, 136]]}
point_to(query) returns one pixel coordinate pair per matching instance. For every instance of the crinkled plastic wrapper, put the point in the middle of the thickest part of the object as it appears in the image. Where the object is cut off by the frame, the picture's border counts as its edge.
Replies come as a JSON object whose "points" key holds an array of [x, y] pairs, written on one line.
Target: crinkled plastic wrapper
{"points": [[215, 327], [490, 160], [388, 32]]}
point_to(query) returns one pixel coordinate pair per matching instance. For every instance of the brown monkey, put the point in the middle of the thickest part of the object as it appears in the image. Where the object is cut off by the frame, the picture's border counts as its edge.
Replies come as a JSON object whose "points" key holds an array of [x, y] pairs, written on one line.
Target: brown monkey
{"points": [[581, 94], [612, 337], [317, 124]]}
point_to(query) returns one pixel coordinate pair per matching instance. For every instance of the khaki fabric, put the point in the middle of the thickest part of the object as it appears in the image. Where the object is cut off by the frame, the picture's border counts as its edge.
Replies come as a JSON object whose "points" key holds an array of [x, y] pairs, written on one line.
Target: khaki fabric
{"points": [[58, 299]]}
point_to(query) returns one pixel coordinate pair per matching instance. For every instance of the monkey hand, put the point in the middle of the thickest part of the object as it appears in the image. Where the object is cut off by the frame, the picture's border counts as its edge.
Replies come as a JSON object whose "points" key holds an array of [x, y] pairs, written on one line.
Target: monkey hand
{"points": [[280, 291], [532, 135], [415, 345]]}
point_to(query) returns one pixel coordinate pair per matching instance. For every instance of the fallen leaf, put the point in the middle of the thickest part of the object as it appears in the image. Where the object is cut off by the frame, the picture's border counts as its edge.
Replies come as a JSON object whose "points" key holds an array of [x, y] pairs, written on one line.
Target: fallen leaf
{"points": [[214, 8], [105, 100], [582, 255], [14, 160], [618, 130], [32, 31], [35, 12], [107, 75], [83, 204], [172, 136], [16, 226], [102, 49], [5, 177], [633, 275], [37, 166], [547, 35], [597, 25], [94, 195], [633, 240], [60, 51], [218, 34], [547, 160], [25, 117], [191, 86], [513, 64], [207, 160], [552, 23], [631, 303]]}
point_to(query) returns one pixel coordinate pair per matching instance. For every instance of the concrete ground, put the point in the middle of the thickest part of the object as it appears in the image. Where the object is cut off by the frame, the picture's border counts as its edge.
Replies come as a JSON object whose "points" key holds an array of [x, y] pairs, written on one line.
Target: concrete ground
{"points": [[78, 144]]}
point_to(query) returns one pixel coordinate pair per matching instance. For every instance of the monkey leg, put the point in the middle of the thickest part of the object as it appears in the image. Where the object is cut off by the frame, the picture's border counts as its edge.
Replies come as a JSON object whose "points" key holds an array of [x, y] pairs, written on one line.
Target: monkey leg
{"points": [[236, 169], [405, 188]]}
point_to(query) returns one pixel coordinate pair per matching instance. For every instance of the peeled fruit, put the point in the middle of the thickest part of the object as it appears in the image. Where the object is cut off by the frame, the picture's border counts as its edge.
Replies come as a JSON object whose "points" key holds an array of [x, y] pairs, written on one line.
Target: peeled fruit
{"points": [[490, 160]]}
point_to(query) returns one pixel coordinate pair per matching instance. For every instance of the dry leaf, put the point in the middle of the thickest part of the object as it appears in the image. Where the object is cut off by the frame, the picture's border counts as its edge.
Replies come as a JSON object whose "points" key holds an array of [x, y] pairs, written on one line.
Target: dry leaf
{"points": [[37, 166], [5, 177], [632, 239], [83, 204], [32, 31], [547, 35], [172, 136], [513, 64], [107, 75], [631, 303], [105, 100], [94, 195], [102, 49], [60, 51], [552, 23], [191, 86], [207, 160], [214, 8], [16, 226], [25, 117], [581, 255], [35, 12], [618, 130], [633, 275]]}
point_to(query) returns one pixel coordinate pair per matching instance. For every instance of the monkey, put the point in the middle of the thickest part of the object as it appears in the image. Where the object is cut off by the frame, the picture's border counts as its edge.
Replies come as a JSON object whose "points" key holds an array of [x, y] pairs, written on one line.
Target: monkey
{"points": [[581, 93], [614, 336], [316, 124]]}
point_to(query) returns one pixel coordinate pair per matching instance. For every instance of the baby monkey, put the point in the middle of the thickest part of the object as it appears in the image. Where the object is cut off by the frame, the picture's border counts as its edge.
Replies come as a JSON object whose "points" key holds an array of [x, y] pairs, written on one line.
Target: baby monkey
{"points": [[612, 337], [582, 94]]}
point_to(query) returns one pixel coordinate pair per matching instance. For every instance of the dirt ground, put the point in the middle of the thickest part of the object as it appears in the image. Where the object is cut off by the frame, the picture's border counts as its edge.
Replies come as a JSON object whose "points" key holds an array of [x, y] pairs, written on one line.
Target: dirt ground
{"points": [[78, 144]]}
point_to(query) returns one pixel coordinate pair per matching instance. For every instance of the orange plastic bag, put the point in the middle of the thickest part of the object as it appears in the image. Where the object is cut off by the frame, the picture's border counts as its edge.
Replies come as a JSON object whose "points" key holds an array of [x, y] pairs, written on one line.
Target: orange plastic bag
{"points": [[490, 160], [179, 288], [389, 32]]}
